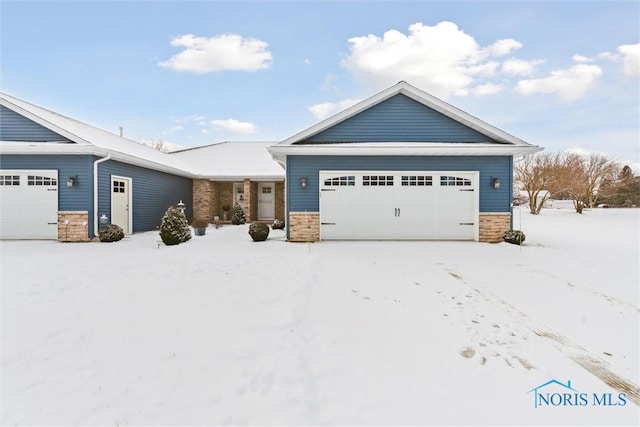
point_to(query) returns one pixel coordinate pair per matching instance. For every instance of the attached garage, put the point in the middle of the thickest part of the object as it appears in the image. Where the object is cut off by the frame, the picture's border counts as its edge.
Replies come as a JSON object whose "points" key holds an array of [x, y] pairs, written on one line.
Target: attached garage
{"points": [[401, 165], [407, 205], [28, 204]]}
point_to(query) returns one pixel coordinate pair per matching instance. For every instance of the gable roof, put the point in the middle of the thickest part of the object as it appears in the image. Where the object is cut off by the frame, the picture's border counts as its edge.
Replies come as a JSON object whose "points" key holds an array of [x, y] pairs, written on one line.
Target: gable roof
{"points": [[233, 161], [86, 139], [499, 141]]}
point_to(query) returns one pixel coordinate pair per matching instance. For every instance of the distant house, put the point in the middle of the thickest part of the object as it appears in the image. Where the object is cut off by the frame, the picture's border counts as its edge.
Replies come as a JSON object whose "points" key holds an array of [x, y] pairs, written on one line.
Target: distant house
{"points": [[231, 173], [59, 176], [400, 165]]}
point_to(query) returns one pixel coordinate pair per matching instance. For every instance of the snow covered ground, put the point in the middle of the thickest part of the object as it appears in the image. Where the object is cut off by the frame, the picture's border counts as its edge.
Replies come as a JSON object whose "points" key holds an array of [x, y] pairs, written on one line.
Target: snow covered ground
{"points": [[221, 330]]}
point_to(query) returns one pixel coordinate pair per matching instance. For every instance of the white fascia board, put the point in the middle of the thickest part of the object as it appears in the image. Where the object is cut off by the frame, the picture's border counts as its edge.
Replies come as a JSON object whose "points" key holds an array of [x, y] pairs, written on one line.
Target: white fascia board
{"points": [[47, 148], [401, 149]]}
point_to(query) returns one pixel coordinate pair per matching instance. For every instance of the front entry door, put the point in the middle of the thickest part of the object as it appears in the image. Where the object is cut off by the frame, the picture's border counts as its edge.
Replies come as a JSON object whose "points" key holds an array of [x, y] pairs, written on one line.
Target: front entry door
{"points": [[266, 201], [121, 203]]}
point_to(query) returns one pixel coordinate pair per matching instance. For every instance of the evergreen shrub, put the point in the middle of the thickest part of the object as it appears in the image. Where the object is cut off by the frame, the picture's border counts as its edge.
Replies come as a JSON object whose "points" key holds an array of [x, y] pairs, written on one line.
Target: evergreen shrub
{"points": [[111, 233], [238, 216], [515, 237], [174, 228], [259, 231]]}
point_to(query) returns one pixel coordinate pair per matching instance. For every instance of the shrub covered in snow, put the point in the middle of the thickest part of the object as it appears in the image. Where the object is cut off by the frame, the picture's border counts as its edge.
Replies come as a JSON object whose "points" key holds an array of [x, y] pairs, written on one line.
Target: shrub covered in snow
{"points": [[111, 233], [278, 224], [515, 237], [238, 216], [259, 231], [174, 228]]}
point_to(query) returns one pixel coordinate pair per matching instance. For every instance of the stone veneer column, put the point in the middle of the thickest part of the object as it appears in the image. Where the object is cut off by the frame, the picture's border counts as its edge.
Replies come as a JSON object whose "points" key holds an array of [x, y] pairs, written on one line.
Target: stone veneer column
{"points": [[202, 199], [73, 226], [247, 199], [492, 225], [304, 226]]}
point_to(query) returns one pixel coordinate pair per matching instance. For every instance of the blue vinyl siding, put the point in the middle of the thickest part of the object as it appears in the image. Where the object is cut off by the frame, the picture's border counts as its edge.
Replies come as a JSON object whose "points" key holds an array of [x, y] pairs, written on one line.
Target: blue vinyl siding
{"points": [[399, 119], [153, 193], [15, 127], [491, 200]]}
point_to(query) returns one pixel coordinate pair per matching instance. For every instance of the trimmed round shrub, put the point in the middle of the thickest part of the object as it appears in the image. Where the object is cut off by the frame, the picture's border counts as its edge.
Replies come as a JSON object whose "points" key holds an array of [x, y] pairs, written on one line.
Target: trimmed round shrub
{"points": [[111, 233], [278, 224], [259, 231], [238, 216], [174, 228], [515, 237]]}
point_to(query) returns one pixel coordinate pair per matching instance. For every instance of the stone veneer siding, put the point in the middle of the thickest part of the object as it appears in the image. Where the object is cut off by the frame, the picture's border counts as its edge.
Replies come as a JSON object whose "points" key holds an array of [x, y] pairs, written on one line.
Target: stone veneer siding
{"points": [[304, 226], [492, 225], [279, 201], [202, 199], [73, 226]]}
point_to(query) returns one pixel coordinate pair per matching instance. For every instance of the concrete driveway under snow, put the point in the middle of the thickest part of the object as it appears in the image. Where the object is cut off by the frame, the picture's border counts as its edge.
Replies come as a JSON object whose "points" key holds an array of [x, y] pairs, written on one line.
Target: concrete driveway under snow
{"points": [[222, 330]]}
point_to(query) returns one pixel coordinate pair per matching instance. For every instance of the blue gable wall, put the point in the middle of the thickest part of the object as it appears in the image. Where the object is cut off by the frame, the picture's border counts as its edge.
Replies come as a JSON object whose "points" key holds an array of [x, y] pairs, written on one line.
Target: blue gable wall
{"points": [[14, 127], [491, 200], [399, 119], [153, 191]]}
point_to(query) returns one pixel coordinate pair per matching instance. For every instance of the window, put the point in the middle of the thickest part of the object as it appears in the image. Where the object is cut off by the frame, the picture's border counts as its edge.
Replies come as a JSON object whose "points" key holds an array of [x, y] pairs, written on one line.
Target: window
{"points": [[341, 181], [266, 190], [9, 180], [456, 181], [377, 180], [40, 180], [417, 180], [118, 186]]}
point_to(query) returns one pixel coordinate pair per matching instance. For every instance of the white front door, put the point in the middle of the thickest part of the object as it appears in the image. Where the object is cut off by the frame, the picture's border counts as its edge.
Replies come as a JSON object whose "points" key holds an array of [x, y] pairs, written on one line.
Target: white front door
{"points": [[266, 201], [402, 205], [121, 202], [28, 204]]}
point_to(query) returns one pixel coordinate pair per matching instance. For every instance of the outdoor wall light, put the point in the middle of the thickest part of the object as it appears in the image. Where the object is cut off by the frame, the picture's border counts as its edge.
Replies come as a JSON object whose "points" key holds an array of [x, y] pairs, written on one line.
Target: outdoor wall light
{"points": [[495, 182], [72, 180], [303, 182], [103, 219], [181, 206]]}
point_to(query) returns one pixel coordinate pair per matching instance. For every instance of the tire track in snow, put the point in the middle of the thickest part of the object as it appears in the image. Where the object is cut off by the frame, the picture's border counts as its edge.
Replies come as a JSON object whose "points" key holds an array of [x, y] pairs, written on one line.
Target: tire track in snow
{"points": [[575, 352]]}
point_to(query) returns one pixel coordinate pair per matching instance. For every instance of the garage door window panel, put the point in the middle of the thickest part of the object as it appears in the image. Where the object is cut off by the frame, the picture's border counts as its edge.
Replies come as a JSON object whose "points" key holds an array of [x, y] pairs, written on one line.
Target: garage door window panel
{"points": [[9, 180]]}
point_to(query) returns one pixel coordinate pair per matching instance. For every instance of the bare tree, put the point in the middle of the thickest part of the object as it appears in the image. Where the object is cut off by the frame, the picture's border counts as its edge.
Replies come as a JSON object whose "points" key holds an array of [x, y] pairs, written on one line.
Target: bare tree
{"points": [[159, 145], [537, 175], [584, 176]]}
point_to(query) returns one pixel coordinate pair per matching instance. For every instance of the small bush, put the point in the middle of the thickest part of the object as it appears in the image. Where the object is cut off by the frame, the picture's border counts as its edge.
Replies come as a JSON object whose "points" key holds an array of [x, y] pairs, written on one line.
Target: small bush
{"points": [[111, 233], [278, 224], [174, 228], [515, 237], [238, 216], [259, 231]]}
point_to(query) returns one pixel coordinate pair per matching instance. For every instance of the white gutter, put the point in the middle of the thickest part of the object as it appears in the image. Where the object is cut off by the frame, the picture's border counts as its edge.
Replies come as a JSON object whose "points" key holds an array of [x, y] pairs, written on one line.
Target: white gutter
{"points": [[95, 193]]}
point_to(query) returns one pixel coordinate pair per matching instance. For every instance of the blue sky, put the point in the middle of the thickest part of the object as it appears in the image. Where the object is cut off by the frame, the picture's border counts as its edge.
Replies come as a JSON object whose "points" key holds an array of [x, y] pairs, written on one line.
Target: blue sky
{"points": [[557, 74]]}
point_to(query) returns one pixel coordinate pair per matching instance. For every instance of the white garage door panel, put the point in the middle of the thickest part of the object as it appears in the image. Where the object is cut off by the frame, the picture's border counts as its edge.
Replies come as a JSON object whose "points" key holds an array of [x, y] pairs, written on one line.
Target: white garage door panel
{"points": [[398, 205], [28, 204]]}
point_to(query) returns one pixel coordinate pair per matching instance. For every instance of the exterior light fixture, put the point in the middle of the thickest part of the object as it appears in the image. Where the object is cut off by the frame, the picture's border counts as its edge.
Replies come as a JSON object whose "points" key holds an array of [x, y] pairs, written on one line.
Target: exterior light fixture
{"points": [[72, 180], [303, 182], [181, 206], [495, 182]]}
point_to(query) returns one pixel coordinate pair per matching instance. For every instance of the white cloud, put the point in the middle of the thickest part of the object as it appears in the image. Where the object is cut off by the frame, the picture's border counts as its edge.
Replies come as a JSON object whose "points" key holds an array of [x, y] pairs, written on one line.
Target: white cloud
{"points": [[234, 126], [569, 84], [224, 52], [581, 58], [630, 59], [441, 59], [326, 109], [487, 89], [520, 67]]}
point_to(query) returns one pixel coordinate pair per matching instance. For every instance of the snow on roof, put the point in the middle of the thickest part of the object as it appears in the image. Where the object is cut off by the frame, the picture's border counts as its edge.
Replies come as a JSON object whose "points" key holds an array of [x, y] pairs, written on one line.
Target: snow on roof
{"points": [[83, 134], [233, 160]]}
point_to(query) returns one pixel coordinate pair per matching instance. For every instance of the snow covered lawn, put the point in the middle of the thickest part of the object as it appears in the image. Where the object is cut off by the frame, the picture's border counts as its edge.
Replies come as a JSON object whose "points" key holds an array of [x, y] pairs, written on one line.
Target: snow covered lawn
{"points": [[221, 330]]}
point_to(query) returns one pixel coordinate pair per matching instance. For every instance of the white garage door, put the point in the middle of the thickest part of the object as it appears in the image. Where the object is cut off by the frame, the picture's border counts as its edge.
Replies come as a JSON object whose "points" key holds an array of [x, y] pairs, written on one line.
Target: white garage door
{"points": [[28, 204], [398, 205]]}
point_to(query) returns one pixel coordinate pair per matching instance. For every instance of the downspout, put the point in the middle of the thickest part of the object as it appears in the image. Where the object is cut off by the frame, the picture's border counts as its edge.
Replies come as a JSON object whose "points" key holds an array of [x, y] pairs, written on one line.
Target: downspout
{"points": [[95, 193]]}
